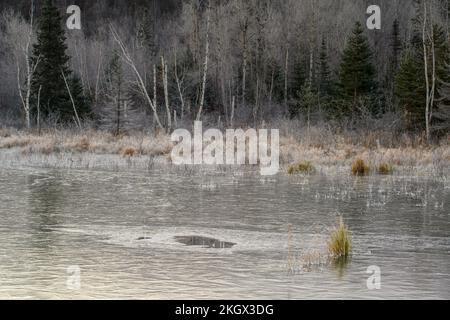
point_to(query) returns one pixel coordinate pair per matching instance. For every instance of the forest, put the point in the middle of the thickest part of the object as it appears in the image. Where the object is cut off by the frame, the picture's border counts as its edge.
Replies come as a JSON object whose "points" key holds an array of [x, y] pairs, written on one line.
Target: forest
{"points": [[153, 66]]}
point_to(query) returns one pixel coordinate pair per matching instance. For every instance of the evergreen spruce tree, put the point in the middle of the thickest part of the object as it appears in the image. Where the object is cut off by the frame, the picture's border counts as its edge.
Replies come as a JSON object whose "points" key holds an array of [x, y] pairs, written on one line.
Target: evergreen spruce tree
{"points": [[299, 76], [307, 103], [296, 86], [115, 82], [50, 53], [146, 32], [396, 45], [410, 86], [118, 114], [275, 81], [357, 73], [324, 79]]}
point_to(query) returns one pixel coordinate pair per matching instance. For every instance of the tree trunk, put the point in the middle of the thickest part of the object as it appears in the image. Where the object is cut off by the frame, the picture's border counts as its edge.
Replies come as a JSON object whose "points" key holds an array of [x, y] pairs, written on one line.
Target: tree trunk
{"points": [[286, 66], [205, 66], [30, 71], [233, 101], [71, 99], [427, 80], [256, 107], [118, 112], [433, 83], [177, 79], [244, 61], [39, 110], [311, 66], [166, 94], [271, 86]]}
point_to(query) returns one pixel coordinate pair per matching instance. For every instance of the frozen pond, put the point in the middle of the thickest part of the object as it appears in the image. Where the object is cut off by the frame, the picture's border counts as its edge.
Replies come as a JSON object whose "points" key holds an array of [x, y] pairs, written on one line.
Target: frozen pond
{"points": [[218, 236]]}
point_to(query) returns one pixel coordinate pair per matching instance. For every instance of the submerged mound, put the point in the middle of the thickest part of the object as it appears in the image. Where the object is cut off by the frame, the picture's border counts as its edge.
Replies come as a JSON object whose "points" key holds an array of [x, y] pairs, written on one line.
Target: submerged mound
{"points": [[204, 242]]}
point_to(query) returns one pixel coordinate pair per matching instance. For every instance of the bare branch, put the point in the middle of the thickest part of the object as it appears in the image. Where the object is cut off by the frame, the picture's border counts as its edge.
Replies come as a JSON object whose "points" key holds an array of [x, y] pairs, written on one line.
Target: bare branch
{"points": [[71, 99], [127, 58], [205, 64]]}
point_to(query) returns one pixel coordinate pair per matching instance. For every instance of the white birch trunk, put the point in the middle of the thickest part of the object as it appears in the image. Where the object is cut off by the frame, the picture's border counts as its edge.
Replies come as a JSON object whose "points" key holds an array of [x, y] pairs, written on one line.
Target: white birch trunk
{"points": [[166, 93], [205, 66]]}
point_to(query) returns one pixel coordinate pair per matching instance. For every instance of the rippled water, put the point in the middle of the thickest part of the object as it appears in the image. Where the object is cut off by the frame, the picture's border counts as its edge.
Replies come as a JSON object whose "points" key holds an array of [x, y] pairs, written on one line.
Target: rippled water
{"points": [[121, 229]]}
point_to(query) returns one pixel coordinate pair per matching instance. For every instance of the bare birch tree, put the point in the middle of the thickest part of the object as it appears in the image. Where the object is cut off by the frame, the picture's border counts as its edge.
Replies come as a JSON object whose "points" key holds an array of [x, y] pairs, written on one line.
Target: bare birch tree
{"points": [[205, 64], [21, 38], [128, 59], [77, 118], [166, 93], [179, 82], [430, 78]]}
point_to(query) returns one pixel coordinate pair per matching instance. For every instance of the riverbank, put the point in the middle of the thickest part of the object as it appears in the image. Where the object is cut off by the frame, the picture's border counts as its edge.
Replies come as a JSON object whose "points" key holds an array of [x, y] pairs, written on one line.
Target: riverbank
{"points": [[97, 149]]}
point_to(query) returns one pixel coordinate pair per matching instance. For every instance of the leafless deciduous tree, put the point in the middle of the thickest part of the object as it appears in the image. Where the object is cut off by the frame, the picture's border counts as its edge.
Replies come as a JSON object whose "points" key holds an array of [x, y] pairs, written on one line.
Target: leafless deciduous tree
{"points": [[77, 118], [205, 64], [21, 36], [179, 82], [430, 75], [166, 93], [128, 59]]}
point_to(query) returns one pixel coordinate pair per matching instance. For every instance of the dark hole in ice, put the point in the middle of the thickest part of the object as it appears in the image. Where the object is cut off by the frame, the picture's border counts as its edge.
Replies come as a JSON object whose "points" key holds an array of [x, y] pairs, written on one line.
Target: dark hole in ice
{"points": [[204, 242], [143, 238]]}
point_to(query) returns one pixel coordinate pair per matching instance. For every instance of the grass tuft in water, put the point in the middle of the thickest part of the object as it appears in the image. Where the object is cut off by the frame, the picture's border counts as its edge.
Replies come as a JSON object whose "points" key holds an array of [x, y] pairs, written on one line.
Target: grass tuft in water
{"points": [[304, 167], [360, 168], [340, 242], [385, 168]]}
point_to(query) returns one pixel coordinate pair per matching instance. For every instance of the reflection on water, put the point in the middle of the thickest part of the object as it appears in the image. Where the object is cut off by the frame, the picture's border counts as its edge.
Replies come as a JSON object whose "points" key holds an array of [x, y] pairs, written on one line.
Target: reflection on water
{"points": [[156, 235], [45, 202], [340, 265]]}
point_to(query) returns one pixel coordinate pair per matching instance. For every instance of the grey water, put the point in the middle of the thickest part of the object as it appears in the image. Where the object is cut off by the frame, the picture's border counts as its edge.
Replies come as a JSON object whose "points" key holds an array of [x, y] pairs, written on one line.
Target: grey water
{"points": [[121, 231]]}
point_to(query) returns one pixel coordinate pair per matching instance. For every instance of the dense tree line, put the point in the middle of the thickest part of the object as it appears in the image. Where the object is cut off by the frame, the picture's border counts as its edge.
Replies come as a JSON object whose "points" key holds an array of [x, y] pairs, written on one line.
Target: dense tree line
{"points": [[159, 63]]}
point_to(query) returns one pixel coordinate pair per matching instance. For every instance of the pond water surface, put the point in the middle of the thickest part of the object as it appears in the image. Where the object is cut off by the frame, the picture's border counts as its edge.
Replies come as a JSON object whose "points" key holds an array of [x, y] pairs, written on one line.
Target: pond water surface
{"points": [[219, 236]]}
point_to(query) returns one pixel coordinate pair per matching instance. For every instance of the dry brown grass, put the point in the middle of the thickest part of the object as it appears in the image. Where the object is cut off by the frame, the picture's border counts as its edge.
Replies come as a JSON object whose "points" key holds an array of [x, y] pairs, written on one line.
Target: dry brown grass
{"points": [[5, 133], [82, 145], [322, 147], [14, 141], [97, 142]]}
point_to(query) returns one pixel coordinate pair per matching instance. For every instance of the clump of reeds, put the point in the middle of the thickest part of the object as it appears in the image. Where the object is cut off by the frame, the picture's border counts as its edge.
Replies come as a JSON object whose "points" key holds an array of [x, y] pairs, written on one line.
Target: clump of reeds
{"points": [[385, 168], [340, 242], [360, 168], [305, 167]]}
